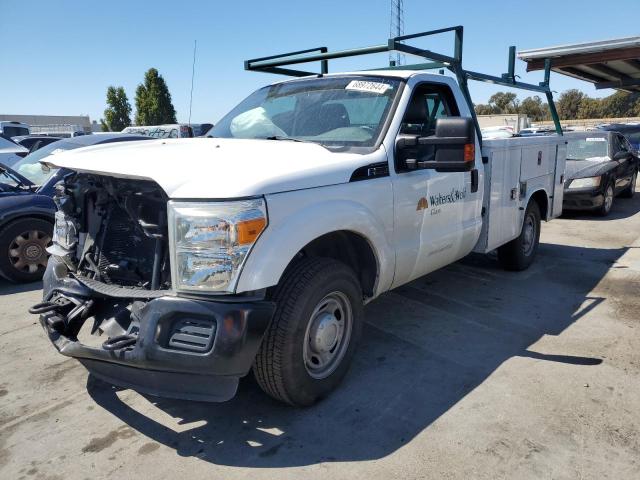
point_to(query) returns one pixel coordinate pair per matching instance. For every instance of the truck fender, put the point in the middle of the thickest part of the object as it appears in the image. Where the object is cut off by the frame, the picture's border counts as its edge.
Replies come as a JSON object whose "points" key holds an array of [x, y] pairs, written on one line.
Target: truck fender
{"points": [[540, 195], [284, 237]]}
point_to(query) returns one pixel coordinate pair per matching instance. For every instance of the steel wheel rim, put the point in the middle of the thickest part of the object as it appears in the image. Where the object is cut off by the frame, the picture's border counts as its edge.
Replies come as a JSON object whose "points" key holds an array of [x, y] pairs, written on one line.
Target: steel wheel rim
{"points": [[28, 251], [327, 335], [633, 182], [529, 235], [608, 198]]}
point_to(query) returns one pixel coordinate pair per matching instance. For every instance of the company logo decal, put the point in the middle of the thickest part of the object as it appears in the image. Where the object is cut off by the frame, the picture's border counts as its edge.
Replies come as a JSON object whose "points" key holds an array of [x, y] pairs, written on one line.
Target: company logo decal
{"points": [[422, 204], [439, 199]]}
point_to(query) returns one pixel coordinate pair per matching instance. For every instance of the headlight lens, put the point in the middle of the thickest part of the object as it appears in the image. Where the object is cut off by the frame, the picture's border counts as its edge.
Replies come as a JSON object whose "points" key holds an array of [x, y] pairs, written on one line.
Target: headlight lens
{"points": [[211, 240], [585, 182]]}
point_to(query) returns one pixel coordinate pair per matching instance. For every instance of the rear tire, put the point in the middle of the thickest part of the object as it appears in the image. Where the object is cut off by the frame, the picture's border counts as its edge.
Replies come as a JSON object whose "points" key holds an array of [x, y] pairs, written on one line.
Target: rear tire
{"points": [[23, 257], [631, 189], [607, 203], [519, 253], [307, 349]]}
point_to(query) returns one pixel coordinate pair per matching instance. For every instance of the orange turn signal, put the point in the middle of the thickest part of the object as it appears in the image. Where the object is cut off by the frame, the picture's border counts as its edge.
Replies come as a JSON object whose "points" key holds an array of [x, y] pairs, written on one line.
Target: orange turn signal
{"points": [[249, 230], [469, 152]]}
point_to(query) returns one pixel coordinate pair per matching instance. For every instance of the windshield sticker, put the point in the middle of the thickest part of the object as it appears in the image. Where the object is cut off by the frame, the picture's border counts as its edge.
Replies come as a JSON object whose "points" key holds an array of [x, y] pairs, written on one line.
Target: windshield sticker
{"points": [[371, 87], [596, 139]]}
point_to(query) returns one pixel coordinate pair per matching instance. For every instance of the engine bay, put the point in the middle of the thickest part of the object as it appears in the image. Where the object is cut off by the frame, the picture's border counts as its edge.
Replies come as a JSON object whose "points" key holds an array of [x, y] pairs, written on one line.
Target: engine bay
{"points": [[113, 232]]}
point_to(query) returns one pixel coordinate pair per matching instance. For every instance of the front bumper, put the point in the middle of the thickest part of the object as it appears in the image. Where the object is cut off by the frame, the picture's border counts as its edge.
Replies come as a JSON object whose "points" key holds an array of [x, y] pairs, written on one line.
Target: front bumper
{"points": [[582, 199], [187, 348]]}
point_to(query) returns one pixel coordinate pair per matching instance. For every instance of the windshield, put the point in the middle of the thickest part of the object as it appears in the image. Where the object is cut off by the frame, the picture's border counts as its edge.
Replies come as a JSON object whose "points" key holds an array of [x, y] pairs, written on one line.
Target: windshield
{"points": [[331, 111], [587, 148], [30, 166]]}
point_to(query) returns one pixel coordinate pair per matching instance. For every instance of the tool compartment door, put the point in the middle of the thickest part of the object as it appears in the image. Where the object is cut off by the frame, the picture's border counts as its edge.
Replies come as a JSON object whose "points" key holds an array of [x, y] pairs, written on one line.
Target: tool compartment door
{"points": [[559, 178], [505, 193], [501, 220]]}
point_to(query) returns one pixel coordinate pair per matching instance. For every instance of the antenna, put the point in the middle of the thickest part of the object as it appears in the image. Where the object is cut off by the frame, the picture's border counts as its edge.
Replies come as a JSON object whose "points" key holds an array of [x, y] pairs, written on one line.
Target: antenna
{"points": [[193, 71], [396, 29]]}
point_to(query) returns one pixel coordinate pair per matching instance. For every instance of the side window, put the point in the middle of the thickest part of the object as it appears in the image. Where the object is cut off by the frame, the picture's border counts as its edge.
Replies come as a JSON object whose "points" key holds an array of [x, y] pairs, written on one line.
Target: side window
{"points": [[625, 144], [428, 104]]}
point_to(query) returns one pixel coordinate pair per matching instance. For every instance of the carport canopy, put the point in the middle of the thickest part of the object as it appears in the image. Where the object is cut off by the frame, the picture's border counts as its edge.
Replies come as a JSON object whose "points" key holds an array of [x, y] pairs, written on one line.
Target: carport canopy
{"points": [[606, 64]]}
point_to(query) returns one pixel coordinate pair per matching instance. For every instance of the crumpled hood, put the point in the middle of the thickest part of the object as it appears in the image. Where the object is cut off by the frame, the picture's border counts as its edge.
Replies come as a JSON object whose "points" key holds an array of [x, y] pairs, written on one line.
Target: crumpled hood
{"points": [[216, 167], [588, 168]]}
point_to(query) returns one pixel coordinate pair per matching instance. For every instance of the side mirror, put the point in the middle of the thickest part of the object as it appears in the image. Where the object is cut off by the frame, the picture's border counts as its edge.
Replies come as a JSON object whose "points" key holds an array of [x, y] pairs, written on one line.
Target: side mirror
{"points": [[453, 147], [622, 155]]}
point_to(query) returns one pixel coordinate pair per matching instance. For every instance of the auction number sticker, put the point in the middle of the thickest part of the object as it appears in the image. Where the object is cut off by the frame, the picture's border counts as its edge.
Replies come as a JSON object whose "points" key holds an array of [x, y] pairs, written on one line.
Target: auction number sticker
{"points": [[365, 86]]}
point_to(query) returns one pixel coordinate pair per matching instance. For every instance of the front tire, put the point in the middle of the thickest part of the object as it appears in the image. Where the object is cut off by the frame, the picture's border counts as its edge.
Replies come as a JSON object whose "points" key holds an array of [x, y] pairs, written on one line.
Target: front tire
{"points": [[631, 189], [519, 253], [23, 243], [607, 203], [307, 349]]}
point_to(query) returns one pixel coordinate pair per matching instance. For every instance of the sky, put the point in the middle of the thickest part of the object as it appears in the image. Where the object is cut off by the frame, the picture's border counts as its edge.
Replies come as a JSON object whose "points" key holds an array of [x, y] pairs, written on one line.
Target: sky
{"points": [[59, 57]]}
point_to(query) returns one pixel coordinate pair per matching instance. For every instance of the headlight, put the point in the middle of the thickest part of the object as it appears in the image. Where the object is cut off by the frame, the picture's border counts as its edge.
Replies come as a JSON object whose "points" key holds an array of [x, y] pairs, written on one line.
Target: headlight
{"points": [[585, 182], [211, 240]]}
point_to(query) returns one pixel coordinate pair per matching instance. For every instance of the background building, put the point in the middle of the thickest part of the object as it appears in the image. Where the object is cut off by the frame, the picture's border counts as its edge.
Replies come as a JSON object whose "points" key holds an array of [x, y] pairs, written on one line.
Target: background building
{"points": [[82, 121]]}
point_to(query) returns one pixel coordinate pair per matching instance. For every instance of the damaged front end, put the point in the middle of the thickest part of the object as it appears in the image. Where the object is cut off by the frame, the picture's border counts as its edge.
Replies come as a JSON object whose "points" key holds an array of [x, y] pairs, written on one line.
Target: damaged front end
{"points": [[109, 278]]}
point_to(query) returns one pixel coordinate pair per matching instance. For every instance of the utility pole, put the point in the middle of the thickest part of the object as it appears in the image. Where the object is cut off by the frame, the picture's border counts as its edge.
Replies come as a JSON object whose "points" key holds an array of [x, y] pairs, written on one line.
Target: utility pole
{"points": [[193, 73], [396, 29]]}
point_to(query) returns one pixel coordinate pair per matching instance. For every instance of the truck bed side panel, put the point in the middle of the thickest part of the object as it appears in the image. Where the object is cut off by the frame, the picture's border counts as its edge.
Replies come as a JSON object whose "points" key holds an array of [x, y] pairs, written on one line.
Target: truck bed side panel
{"points": [[516, 169]]}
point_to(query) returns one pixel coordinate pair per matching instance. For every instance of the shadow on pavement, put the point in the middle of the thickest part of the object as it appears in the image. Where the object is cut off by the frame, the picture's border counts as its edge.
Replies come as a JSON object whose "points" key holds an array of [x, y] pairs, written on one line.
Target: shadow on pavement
{"points": [[425, 347], [7, 288]]}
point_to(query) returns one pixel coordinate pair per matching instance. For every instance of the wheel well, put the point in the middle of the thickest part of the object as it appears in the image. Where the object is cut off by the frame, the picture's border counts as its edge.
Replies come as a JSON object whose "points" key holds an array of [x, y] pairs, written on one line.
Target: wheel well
{"points": [[540, 197], [6, 221], [349, 248]]}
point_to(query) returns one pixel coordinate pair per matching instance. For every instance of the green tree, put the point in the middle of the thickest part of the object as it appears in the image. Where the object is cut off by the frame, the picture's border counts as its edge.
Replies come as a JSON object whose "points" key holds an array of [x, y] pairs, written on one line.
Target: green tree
{"points": [[620, 104], [534, 108], [590, 108], [504, 102], [569, 104], [118, 111], [153, 101], [483, 109]]}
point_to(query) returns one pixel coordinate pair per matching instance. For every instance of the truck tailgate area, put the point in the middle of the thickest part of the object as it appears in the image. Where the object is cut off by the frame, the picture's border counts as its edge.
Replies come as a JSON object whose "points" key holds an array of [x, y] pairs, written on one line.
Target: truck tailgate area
{"points": [[516, 168]]}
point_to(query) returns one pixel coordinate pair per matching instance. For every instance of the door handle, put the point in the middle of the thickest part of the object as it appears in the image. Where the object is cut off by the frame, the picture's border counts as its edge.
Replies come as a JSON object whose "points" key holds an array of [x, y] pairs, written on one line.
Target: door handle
{"points": [[474, 180]]}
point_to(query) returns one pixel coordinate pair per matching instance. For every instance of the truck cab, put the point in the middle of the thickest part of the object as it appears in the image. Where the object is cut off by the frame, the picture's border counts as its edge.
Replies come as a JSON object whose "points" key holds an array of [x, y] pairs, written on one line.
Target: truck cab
{"points": [[258, 248]]}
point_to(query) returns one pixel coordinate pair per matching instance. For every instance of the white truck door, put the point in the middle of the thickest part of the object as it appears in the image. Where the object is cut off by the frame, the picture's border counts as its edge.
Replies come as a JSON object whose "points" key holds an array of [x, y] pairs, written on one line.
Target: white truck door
{"points": [[429, 205]]}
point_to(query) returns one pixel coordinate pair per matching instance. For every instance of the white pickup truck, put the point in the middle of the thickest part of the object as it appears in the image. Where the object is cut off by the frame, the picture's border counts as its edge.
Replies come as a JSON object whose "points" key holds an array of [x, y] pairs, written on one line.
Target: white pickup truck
{"points": [[197, 260]]}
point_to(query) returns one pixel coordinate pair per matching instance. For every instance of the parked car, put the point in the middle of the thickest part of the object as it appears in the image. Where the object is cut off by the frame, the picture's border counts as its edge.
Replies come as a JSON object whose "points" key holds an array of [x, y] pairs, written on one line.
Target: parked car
{"points": [[600, 166], [494, 133], [27, 209], [11, 152], [201, 129], [35, 142], [629, 130], [10, 129], [535, 132]]}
